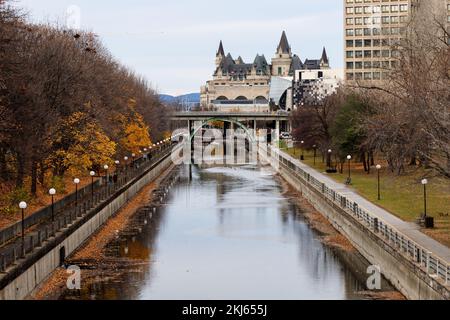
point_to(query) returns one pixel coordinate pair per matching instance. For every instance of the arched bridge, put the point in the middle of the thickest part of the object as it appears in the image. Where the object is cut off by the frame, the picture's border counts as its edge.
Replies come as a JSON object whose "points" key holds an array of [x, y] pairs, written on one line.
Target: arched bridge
{"points": [[278, 121]]}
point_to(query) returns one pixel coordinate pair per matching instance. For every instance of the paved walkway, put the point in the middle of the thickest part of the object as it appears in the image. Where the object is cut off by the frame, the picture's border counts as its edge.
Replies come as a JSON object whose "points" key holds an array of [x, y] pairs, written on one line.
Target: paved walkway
{"points": [[409, 229]]}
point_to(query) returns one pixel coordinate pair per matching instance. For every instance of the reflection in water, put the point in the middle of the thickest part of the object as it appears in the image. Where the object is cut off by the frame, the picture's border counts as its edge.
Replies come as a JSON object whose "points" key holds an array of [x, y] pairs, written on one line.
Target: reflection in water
{"points": [[227, 233]]}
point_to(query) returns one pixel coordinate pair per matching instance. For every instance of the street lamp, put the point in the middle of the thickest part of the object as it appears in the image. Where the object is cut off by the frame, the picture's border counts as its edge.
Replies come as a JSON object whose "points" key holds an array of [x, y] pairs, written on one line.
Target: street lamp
{"points": [[126, 167], [424, 183], [23, 206], [145, 154], [106, 167], [52, 192], [315, 153], [303, 150], [92, 173], [349, 179], [117, 163], [329, 159], [378, 173], [76, 181]]}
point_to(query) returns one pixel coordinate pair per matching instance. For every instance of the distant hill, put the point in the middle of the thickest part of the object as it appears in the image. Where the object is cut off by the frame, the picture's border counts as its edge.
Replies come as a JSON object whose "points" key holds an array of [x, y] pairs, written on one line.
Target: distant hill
{"points": [[190, 98]]}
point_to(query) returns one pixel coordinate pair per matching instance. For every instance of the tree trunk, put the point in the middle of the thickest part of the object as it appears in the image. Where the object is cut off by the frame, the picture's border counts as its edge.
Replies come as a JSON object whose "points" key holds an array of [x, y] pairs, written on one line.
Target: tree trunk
{"points": [[363, 160], [34, 177], [4, 174], [390, 164], [20, 170], [41, 175]]}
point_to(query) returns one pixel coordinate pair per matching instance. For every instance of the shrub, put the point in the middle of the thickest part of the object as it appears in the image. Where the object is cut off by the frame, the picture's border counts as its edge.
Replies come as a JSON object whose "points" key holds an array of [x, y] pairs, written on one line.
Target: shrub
{"points": [[18, 195], [58, 183], [13, 199]]}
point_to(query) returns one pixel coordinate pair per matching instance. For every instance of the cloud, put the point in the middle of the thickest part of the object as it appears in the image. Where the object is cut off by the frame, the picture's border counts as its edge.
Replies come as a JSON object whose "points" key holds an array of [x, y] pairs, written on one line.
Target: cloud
{"points": [[172, 43]]}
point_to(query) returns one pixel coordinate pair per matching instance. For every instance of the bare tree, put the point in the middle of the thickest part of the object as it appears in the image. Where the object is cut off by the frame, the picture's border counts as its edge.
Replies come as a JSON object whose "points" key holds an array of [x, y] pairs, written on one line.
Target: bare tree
{"points": [[412, 124], [312, 123]]}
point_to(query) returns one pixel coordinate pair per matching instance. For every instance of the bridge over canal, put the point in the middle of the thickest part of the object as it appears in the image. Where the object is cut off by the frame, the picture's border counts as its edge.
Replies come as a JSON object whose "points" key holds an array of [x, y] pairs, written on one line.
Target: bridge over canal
{"points": [[273, 122]]}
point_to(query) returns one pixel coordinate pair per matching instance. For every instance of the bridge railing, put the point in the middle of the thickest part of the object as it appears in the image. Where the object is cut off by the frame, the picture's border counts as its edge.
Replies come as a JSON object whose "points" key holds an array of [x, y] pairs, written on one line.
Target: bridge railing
{"points": [[240, 102], [432, 264]]}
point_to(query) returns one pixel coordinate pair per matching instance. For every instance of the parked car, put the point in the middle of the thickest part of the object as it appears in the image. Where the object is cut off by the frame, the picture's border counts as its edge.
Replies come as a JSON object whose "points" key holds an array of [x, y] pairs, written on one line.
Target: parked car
{"points": [[285, 136]]}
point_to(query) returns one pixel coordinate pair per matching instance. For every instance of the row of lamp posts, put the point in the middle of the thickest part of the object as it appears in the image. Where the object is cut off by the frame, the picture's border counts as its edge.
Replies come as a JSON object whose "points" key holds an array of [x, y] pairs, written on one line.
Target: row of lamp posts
{"points": [[52, 192], [424, 182]]}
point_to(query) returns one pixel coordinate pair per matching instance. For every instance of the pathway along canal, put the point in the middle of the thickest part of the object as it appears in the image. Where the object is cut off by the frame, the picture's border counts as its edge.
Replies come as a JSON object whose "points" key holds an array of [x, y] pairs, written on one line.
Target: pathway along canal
{"points": [[229, 233]]}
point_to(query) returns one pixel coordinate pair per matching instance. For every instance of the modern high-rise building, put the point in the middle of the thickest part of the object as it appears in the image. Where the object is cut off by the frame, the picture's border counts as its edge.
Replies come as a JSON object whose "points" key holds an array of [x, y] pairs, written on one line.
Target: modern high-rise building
{"points": [[373, 28]]}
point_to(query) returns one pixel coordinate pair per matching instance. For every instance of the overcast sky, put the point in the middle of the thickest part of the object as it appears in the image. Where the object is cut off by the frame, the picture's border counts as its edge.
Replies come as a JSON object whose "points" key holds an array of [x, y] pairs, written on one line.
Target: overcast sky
{"points": [[173, 43]]}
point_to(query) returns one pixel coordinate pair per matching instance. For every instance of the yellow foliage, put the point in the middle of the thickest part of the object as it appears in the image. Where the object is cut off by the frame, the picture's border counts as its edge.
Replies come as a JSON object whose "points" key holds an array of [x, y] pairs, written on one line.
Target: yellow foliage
{"points": [[88, 145], [136, 134], [93, 148]]}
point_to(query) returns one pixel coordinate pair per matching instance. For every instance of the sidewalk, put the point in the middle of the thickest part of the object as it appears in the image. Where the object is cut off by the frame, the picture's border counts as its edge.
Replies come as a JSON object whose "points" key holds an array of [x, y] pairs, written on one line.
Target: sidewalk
{"points": [[407, 228]]}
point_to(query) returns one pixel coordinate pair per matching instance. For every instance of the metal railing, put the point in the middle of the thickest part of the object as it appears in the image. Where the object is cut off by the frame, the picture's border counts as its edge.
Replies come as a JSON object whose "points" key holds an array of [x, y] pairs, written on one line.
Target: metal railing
{"points": [[10, 232], [432, 264], [44, 229]]}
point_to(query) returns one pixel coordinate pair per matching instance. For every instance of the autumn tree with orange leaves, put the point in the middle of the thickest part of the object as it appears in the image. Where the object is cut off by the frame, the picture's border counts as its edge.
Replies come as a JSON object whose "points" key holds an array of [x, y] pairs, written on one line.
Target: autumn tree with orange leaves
{"points": [[135, 134]]}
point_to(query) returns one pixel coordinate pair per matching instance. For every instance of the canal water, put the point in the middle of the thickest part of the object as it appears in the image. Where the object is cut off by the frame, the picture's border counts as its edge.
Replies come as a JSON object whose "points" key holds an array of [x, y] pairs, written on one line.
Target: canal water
{"points": [[229, 233]]}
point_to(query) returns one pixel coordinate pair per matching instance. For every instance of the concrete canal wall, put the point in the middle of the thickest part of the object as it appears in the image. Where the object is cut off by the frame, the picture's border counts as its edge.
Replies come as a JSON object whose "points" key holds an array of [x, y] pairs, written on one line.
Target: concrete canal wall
{"points": [[29, 273], [403, 263]]}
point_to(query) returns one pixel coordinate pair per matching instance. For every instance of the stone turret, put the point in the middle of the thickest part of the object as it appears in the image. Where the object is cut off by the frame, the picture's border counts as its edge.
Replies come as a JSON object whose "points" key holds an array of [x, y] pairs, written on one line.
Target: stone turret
{"points": [[220, 55], [281, 63], [284, 48], [324, 61]]}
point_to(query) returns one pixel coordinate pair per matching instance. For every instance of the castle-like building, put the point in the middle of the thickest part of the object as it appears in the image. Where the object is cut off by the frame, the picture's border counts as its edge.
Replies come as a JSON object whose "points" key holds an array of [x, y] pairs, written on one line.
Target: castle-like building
{"points": [[240, 86]]}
